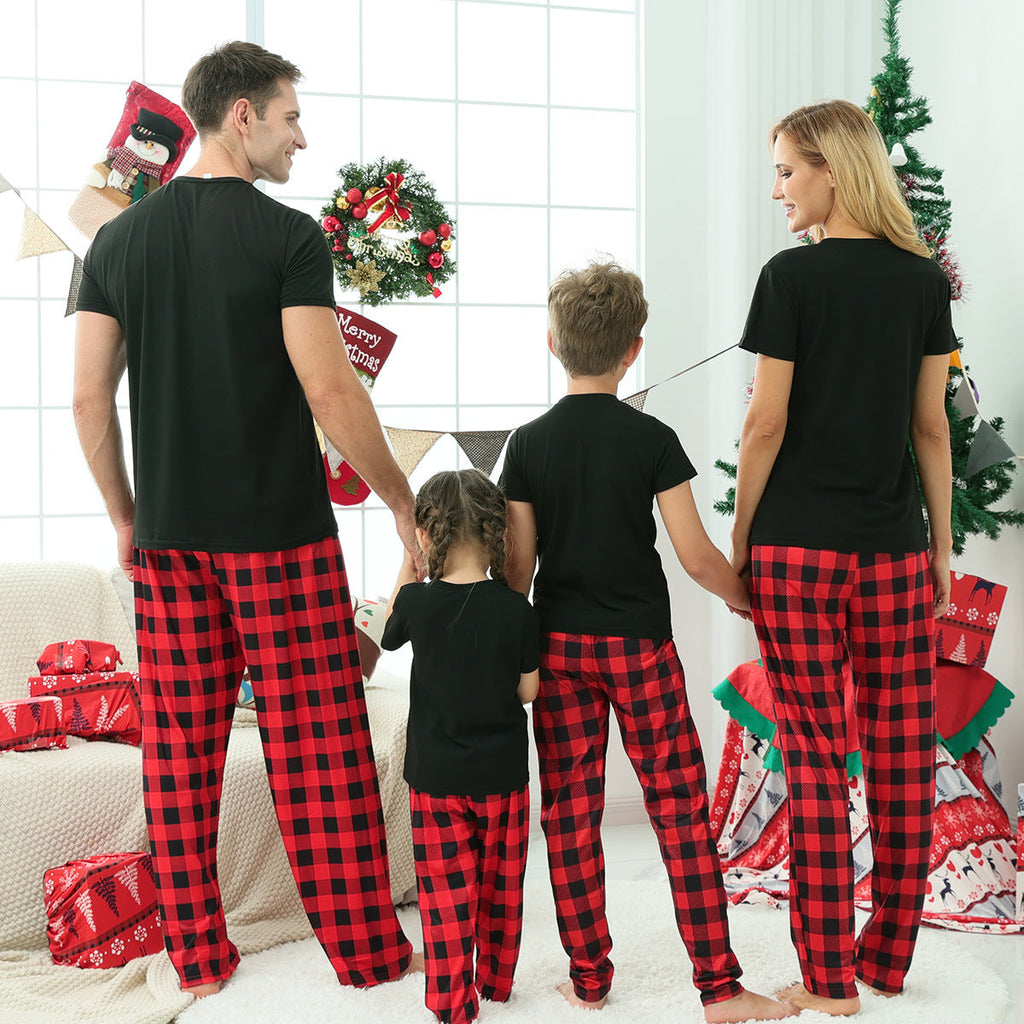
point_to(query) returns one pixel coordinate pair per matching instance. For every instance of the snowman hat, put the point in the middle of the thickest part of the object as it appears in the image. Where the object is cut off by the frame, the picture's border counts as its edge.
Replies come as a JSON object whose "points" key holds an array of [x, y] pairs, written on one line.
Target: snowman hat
{"points": [[153, 127]]}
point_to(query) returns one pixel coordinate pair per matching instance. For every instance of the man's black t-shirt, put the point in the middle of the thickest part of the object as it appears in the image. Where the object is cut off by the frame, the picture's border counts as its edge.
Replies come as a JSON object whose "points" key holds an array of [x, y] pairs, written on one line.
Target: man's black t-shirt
{"points": [[855, 316], [467, 727], [224, 448], [591, 466]]}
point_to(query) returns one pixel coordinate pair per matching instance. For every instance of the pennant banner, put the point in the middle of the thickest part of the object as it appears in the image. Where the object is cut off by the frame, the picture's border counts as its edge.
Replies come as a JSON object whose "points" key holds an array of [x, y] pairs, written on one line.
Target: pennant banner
{"points": [[6, 186], [987, 449], [638, 400], [410, 446], [482, 446], [965, 401], [36, 238], [76, 281]]}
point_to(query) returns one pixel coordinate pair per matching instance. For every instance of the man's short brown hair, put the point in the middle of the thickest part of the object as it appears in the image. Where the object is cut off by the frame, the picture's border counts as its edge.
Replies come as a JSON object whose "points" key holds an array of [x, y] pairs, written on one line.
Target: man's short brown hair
{"points": [[595, 313], [227, 74]]}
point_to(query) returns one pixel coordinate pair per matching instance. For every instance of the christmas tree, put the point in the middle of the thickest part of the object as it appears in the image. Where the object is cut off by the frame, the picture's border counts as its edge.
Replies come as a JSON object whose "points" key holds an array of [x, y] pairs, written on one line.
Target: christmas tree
{"points": [[898, 115]]}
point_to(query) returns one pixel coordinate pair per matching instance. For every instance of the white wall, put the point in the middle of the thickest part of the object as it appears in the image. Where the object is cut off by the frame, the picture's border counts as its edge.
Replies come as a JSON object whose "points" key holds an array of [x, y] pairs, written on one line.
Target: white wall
{"points": [[718, 73]]}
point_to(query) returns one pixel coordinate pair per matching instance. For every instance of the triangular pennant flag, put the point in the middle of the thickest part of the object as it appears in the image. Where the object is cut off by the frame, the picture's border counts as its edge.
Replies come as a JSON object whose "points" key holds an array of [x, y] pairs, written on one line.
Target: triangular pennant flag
{"points": [[410, 446], [334, 457], [637, 401], [36, 238], [482, 446], [76, 281], [987, 449], [964, 401], [6, 186]]}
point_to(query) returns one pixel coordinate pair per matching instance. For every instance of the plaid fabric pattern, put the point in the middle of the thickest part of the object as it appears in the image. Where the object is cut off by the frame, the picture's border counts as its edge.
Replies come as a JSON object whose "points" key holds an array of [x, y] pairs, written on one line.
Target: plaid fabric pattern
{"points": [[812, 610], [470, 863], [201, 619], [642, 680]]}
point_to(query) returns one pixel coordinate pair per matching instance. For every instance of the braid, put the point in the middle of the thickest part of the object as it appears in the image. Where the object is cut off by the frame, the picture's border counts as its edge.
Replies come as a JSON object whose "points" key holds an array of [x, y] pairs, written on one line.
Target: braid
{"points": [[492, 527]]}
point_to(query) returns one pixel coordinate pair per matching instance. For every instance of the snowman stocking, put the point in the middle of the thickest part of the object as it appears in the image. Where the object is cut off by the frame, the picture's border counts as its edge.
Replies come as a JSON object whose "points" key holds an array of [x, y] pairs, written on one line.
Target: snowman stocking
{"points": [[368, 344], [145, 150]]}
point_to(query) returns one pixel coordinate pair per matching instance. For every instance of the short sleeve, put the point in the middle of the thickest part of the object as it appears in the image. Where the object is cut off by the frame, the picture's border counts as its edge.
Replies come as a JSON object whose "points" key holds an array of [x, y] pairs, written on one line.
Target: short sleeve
{"points": [[513, 479], [309, 270], [396, 629], [672, 467], [941, 338], [772, 325], [531, 640], [91, 297]]}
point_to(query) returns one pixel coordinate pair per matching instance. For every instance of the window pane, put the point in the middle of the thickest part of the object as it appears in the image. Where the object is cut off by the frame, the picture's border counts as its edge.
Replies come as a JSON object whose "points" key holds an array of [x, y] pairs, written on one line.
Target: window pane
{"points": [[580, 236], [67, 484], [596, 66], [421, 367], [502, 253], [18, 44], [178, 34], [409, 49], [19, 539], [502, 154], [19, 161], [331, 127], [593, 158], [19, 463], [57, 354], [503, 53], [89, 539], [19, 381], [81, 41], [503, 355]]}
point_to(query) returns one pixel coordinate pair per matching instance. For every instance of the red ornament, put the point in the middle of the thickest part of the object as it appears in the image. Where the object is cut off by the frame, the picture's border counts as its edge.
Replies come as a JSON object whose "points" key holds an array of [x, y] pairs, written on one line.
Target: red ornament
{"points": [[359, 211], [435, 259], [428, 237], [353, 195], [330, 224], [444, 230], [338, 247]]}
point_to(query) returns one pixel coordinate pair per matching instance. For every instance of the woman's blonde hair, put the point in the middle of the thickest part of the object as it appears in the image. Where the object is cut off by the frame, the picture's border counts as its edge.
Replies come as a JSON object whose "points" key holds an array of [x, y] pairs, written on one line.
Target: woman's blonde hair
{"points": [[462, 505], [840, 134]]}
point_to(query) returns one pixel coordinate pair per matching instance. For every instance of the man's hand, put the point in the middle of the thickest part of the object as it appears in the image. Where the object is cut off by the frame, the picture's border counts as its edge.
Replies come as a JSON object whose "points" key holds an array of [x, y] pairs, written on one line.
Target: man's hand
{"points": [[125, 548], [406, 527]]}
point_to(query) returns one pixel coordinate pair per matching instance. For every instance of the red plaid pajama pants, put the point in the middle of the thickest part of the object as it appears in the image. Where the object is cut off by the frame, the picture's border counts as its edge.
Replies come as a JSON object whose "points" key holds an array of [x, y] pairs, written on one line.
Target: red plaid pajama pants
{"points": [[812, 610], [470, 864], [642, 680], [287, 615]]}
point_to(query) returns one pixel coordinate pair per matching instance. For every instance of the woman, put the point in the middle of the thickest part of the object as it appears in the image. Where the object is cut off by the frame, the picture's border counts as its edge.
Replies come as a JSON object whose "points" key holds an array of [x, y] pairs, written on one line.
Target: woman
{"points": [[852, 336]]}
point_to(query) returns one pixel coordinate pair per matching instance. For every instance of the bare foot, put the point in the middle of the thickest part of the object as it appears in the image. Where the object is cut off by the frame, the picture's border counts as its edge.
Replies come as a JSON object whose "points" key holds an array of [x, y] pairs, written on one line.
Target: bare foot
{"points": [[878, 992], [800, 997], [748, 1006], [567, 990], [415, 965], [211, 988]]}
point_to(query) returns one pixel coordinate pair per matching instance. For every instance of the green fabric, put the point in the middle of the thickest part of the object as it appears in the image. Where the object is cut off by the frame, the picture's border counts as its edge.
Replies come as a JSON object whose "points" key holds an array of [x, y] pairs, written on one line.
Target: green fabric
{"points": [[987, 716]]}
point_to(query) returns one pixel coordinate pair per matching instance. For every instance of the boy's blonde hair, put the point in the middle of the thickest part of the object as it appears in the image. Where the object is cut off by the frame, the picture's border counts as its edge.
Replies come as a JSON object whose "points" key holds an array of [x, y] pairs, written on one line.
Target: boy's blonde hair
{"points": [[840, 134], [595, 313]]}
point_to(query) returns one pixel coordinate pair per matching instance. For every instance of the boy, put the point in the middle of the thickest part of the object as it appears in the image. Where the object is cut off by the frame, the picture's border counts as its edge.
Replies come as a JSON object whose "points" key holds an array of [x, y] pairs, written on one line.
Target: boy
{"points": [[603, 604]]}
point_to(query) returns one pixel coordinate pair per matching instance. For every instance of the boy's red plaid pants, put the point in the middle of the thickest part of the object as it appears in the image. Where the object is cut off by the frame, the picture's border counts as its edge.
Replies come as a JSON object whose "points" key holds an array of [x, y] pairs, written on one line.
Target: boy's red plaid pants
{"points": [[201, 619], [582, 677], [812, 610]]}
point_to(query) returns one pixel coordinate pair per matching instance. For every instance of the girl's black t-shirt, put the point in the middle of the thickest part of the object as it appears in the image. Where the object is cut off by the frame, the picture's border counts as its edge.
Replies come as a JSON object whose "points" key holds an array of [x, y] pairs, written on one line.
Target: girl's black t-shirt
{"points": [[471, 642], [223, 443], [855, 316]]}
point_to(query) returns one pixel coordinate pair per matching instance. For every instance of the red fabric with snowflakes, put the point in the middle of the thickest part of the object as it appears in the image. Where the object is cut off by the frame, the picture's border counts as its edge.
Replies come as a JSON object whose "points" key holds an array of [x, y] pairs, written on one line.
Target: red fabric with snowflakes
{"points": [[102, 911], [32, 724], [97, 705], [964, 633], [73, 657]]}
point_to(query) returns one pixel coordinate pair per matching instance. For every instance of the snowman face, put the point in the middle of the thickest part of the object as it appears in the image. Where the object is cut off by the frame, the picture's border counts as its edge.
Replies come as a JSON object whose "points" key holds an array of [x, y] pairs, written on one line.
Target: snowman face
{"points": [[154, 152]]}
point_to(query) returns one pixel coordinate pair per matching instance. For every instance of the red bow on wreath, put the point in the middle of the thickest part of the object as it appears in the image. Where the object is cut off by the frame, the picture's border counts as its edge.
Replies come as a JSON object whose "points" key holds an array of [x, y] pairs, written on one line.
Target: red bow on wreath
{"points": [[393, 205]]}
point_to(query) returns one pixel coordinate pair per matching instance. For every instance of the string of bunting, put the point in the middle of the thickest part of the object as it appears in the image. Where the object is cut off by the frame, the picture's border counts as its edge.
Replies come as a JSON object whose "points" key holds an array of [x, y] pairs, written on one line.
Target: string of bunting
{"points": [[484, 447]]}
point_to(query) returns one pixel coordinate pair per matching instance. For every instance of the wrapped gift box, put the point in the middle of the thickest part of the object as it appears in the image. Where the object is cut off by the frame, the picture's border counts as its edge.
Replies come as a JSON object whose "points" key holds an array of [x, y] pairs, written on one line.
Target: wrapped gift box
{"points": [[33, 724], [964, 633], [1020, 852], [97, 705], [102, 911], [74, 657]]}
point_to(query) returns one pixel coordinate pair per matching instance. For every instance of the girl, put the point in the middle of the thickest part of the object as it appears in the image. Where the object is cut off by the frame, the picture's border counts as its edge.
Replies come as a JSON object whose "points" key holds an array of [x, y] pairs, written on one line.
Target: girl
{"points": [[475, 663], [852, 336]]}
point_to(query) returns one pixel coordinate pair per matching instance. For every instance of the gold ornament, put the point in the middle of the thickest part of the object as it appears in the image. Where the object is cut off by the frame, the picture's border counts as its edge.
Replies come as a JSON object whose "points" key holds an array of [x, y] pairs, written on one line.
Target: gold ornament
{"points": [[875, 92], [365, 276], [341, 203], [446, 245]]}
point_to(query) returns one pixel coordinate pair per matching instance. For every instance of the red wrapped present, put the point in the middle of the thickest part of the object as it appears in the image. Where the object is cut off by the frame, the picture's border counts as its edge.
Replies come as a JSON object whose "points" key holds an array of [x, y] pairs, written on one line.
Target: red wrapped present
{"points": [[964, 633], [97, 705], [1020, 852], [73, 657], [32, 724], [102, 911]]}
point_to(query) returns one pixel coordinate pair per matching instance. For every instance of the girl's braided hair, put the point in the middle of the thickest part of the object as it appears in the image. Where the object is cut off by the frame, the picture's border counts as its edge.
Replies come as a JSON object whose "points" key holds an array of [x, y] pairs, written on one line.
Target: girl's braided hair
{"points": [[462, 505]]}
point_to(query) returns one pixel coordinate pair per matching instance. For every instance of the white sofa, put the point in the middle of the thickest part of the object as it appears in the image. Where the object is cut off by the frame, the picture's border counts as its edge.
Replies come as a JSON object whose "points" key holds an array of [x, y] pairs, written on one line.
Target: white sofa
{"points": [[59, 805]]}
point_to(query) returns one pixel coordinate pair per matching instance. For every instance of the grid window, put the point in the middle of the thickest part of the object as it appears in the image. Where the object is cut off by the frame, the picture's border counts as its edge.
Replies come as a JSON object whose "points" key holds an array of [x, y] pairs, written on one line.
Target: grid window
{"points": [[523, 114]]}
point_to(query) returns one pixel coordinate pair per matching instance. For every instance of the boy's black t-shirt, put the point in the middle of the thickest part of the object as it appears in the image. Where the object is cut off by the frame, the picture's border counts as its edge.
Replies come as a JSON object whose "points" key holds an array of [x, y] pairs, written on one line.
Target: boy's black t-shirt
{"points": [[591, 466], [224, 448], [467, 726], [855, 316]]}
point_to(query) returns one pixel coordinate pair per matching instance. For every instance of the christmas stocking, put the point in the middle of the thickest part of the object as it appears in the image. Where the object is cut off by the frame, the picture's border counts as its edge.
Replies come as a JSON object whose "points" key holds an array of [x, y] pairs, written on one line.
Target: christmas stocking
{"points": [[369, 344], [147, 147]]}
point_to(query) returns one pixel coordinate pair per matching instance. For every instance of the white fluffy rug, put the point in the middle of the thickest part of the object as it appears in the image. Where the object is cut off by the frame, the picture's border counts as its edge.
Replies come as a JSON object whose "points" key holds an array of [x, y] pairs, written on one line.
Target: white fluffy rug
{"points": [[293, 984]]}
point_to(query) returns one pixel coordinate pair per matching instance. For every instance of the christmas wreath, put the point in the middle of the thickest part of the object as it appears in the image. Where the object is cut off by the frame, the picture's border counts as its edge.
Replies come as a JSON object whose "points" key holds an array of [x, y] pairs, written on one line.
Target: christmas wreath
{"points": [[388, 234]]}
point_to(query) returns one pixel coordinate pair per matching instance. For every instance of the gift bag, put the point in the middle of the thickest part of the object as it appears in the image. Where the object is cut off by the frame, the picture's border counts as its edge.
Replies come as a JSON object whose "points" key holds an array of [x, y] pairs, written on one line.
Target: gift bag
{"points": [[102, 911]]}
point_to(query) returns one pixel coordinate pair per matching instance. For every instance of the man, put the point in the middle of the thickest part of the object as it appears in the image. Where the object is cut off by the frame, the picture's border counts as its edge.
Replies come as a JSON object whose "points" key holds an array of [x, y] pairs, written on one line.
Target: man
{"points": [[219, 302]]}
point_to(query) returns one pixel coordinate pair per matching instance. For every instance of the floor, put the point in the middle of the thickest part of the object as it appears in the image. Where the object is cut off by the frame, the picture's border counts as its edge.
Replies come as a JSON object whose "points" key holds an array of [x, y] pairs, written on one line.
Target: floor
{"points": [[631, 854]]}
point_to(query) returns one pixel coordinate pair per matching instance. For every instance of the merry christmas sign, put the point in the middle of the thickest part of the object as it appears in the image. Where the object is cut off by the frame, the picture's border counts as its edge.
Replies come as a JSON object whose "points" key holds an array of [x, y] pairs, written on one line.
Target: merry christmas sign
{"points": [[964, 634]]}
